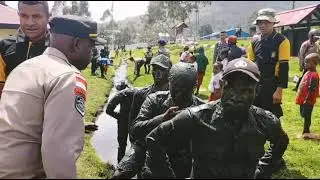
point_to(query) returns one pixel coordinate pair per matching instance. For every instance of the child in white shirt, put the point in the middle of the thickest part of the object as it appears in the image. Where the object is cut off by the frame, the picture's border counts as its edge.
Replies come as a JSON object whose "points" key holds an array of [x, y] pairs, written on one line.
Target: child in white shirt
{"points": [[215, 82]]}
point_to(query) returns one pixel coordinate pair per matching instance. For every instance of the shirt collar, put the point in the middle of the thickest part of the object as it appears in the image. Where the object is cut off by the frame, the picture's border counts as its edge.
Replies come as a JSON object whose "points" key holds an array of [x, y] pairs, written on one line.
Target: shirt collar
{"points": [[270, 36], [55, 52], [169, 101], [21, 37]]}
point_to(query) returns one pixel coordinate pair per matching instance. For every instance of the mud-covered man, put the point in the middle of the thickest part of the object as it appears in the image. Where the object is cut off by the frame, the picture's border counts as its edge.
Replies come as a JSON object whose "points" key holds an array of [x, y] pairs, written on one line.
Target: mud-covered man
{"points": [[130, 165], [122, 98], [227, 136], [148, 56], [162, 106]]}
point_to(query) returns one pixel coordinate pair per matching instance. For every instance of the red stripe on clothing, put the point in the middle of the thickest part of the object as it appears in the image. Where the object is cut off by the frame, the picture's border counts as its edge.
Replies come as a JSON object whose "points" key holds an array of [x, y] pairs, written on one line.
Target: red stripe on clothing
{"points": [[80, 92], [81, 80]]}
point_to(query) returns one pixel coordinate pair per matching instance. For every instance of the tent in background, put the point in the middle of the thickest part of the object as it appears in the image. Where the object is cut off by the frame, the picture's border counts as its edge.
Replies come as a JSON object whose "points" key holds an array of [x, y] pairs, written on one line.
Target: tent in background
{"points": [[230, 32]]}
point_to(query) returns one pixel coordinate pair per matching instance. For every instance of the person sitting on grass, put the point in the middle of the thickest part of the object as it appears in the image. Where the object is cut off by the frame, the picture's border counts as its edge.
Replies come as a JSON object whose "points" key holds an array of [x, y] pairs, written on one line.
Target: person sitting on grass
{"points": [[215, 84], [308, 91]]}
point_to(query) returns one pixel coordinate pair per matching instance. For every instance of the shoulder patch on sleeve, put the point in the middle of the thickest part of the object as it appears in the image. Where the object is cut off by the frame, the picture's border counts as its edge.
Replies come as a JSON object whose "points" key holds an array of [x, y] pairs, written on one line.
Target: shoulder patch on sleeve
{"points": [[80, 104], [81, 86]]}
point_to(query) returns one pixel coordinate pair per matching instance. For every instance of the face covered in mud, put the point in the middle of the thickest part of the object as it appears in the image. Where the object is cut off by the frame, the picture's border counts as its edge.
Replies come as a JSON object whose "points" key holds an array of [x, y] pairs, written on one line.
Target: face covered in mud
{"points": [[182, 82], [159, 74], [238, 93], [182, 96]]}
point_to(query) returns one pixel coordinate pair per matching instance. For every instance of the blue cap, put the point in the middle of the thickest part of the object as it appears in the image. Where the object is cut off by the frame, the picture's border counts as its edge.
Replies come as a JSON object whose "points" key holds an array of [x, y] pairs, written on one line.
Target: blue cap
{"points": [[162, 42], [75, 26]]}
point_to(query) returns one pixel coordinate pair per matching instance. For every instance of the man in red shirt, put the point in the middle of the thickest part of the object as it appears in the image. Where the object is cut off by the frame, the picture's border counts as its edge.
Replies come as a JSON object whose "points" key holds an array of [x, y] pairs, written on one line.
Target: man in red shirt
{"points": [[308, 91]]}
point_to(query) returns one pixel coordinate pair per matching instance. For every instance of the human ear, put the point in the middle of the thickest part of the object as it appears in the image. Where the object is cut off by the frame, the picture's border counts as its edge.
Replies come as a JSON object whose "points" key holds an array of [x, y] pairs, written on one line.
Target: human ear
{"points": [[76, 45]]}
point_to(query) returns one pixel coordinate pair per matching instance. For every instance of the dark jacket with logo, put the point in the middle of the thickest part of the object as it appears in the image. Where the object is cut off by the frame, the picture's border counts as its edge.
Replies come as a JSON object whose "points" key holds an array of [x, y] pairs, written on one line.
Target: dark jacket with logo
{"points": [[271, 54], [15, 50], [219, 149]]}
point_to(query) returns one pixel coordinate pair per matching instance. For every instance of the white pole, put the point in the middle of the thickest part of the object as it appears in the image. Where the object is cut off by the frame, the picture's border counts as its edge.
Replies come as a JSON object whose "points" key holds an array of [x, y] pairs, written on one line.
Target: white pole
{"points": [[112, 35]]}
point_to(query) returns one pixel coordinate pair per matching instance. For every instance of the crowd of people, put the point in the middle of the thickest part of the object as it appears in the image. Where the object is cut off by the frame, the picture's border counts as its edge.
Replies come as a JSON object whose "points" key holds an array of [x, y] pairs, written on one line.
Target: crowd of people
{"points": [[173, 133], [246, 86]]}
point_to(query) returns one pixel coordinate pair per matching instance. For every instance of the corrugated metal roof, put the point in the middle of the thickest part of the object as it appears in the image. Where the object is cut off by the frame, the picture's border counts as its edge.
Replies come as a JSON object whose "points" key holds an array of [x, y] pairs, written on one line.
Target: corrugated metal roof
{"points": [[8, 15], [294, 16]]}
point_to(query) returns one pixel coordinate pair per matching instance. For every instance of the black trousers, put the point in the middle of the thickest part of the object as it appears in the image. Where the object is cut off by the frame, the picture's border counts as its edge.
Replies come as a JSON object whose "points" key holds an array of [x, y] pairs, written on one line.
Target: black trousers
{"points": [[101, 69], [147, 66], [122, 139], [264, 97], [306, 112], [93, 67]]}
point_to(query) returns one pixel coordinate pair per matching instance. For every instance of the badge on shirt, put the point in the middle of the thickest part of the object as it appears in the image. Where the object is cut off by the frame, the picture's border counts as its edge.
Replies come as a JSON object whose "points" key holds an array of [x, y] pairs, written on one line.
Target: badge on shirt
{"points": [[79, 104], [273, 54]]}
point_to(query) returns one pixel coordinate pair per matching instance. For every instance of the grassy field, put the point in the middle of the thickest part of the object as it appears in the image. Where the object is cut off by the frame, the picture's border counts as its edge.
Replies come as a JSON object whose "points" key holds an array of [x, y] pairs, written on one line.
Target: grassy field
{"points": [[302, 156], [89, 164]]}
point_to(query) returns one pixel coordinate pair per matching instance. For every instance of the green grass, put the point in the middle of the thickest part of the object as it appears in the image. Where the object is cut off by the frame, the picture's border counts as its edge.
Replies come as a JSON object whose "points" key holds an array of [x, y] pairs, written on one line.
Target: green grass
{"points": [[89, 164], [302, 157]]}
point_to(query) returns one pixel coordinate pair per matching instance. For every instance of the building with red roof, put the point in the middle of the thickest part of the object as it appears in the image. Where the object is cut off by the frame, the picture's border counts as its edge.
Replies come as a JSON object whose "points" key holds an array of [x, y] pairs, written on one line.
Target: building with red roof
{"points": [[9, 20], [296, 23]]}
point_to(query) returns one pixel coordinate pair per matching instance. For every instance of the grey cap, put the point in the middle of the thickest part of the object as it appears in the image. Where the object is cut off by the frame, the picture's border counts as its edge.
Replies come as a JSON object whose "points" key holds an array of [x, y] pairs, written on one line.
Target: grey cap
{"points": [[183, 75], [242, 65], [267, 14], [162, 61]]}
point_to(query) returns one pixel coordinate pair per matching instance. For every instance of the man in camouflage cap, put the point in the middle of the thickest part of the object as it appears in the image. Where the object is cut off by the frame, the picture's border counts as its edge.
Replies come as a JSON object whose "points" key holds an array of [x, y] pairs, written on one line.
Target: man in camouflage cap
{"points": [[43, 105], [131, 164], [271, 52], [227, 136], [164, 105]]}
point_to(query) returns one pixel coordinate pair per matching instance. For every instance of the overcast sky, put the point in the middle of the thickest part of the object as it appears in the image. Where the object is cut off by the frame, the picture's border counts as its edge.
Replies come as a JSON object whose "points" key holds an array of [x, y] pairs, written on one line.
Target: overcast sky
{"points": [[122, 9]]}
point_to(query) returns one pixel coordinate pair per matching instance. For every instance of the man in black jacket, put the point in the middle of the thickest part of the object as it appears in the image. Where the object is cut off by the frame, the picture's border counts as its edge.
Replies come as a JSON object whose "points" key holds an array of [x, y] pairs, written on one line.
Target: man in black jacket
{"points": [[130, 165], [31, 39], [161, 107], [122, 98]]}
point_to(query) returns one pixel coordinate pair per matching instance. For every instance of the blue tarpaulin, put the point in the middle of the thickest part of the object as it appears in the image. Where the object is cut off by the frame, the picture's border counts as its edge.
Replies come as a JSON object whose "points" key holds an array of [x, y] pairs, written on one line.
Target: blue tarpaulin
{"points": [[230, 32]]}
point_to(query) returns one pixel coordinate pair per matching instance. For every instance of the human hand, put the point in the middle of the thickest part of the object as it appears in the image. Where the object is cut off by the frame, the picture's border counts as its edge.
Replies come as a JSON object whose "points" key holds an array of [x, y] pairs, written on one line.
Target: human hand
{"points": [[170, 113], [277, 96]]}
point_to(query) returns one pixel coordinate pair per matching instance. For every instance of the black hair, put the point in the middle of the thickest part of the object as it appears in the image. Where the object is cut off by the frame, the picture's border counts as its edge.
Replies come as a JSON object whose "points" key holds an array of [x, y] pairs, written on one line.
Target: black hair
{"points": [[223, 32], [44, 3]]}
